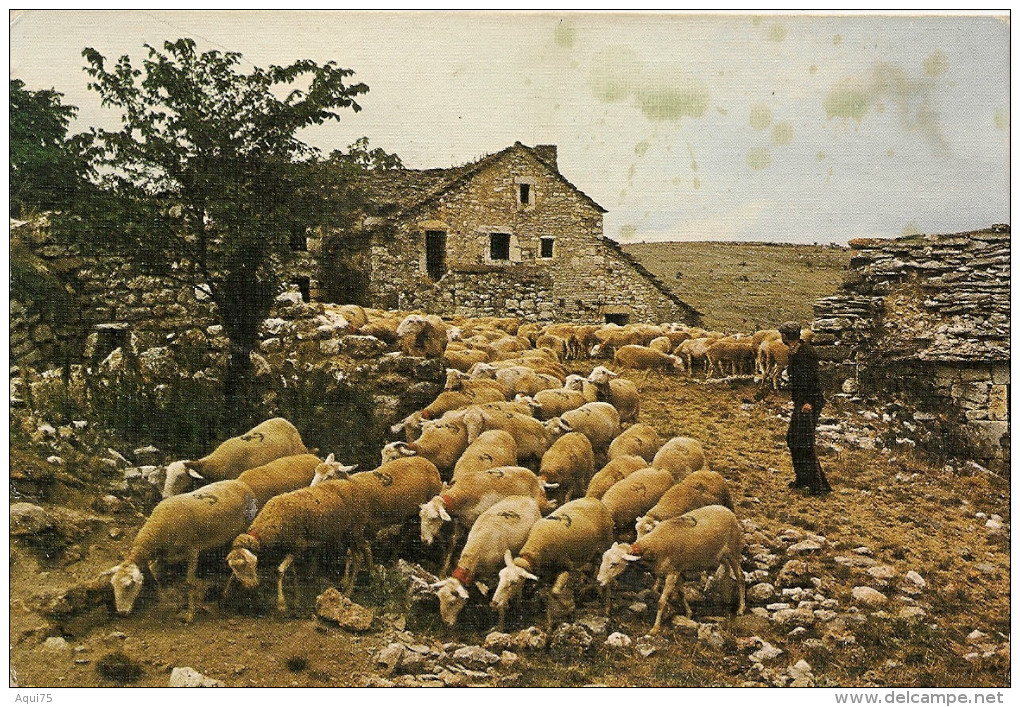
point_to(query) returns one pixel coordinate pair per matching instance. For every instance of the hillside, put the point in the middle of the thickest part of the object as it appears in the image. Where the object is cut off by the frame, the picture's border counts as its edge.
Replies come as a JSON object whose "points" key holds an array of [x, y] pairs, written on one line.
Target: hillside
{"points": [[746, 286]]}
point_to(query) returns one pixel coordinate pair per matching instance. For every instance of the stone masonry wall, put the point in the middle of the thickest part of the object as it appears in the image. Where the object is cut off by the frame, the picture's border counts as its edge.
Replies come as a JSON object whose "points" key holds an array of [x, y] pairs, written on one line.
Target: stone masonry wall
{"points": [[926, 318]]}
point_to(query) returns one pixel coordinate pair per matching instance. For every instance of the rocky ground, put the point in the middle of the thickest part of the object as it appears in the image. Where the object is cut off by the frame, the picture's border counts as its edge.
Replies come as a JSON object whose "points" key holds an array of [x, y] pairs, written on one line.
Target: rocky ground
{"points": [[899, 577]]}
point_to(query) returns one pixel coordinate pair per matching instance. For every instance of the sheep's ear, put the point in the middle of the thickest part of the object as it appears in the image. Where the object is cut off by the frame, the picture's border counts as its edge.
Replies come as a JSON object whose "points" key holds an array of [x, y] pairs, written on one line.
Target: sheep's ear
{"points": [[331, 458], [436, 586], [443, 514], [528, 575], [689, 521], [546, 485], [462, 592], [631, 558], [483, 588], [566, 426], [109, 572], [195, 475], [508, 558], [347, 469]]}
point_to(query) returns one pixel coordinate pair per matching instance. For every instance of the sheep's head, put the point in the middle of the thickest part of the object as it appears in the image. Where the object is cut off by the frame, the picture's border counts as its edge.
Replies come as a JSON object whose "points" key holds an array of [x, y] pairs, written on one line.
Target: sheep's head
{"points": [[678, 363], [556, 427], [644, 526], [614, 562], [452, 598], [600, 375], [432, 515], [455, 379], [397, 450], [177, 479], [331, 469], [483, 370], [127, 581], [511, 579], [574, 382], [244, 564], [411, 325]]}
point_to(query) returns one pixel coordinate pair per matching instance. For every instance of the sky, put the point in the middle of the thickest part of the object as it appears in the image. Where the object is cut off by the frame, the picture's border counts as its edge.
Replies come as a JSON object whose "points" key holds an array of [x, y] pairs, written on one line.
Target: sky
{"points": [[685, 127]]}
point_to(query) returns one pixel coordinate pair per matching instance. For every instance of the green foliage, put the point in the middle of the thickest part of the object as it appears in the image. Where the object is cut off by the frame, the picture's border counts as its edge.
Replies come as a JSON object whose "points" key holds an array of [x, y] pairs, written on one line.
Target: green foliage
{"points": [[207, 180], [47, 170]]}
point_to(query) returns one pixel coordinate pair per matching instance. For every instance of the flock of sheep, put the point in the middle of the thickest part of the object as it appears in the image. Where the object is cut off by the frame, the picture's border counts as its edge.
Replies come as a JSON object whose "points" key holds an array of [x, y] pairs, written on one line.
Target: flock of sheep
{"points": [[545, 472]]}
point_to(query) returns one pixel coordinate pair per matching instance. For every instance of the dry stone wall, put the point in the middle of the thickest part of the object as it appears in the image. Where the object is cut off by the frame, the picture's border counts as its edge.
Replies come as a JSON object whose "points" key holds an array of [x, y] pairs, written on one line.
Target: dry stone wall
{"points": [[927, 318]]}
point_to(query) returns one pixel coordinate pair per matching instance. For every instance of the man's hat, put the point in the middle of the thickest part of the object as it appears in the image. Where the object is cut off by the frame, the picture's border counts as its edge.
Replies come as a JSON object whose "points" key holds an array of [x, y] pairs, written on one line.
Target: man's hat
{"points": [[791, 330]]}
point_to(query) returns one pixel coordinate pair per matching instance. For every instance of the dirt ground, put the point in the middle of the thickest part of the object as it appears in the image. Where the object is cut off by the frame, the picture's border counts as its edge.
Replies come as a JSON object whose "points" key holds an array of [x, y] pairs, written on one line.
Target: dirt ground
{"points": [[890, 506]]}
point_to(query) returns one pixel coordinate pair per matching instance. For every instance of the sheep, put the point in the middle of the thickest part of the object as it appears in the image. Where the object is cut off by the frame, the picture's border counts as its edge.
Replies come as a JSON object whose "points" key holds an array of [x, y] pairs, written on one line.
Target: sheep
{"points": [[471, 494], [459, 381], [616, 469], [694, 351], [182, 526], [547, 404], [701, 488], [490, 449], [329, 469], [700, 540], [613, 337], [566, 541], [502, 528], [532, 437], [556, 344], [422, 335], [330, 514], [441, 442], [599, 422], [517, 379], [445, 402], [319, 515], [353, 313], [621, 393], [508, 345], [634, 495], [260, 445], [663, 344], [642, 357], [583, 340], [735, 356], [383, 328], [281, 475], [680, 456], [569, 463], [637, 440], [461, 358], [774, 357]]}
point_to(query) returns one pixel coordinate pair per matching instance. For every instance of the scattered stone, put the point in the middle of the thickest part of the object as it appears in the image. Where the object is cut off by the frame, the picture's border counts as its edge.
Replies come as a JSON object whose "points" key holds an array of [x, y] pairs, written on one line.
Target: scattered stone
{"points": [[570, 640], [805, 546], [531, 638], [108, 504], [638, 607], [29, 519], [647, 645], [976, 636], [882, 572], [685, 626], [390, 656], [475, 656], [56, 643], [800, 672], [595, 624], [795, 573], [497, 641], [868, 596], [766, 652], [912, 612], [708, 635], [189, 677], [508, 658], [777, 606], [619, 640], [794, 617], [916, 579], [334, 606]]}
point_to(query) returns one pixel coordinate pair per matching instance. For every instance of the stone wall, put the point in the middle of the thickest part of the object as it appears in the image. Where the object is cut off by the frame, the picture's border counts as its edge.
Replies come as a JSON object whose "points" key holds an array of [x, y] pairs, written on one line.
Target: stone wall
{"points": [[585, 275], [926, 318]]}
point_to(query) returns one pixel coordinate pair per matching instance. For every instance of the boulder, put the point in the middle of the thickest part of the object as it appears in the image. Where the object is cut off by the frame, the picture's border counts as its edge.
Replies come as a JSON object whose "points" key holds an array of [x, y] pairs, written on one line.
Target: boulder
{"points": [[334, 606], [29, 519], [189, 677], [868, 596]]}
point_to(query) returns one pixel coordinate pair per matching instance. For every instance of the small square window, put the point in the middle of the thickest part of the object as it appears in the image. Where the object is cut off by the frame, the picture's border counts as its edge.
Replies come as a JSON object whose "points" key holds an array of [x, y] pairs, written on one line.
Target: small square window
{"points": [[525, 193], [547, 247], [298, 238], [499, 246]]}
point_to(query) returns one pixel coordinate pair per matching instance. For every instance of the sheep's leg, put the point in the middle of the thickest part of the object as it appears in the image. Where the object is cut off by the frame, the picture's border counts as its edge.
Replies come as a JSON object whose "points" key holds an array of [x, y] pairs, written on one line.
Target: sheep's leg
{"points": [[558, 588], [671, 580], [281, 600], [230, 582], [502, 619], [454, 539], [154, 571], [738, 575], [189, 616], [607, 596], [657, 584]]}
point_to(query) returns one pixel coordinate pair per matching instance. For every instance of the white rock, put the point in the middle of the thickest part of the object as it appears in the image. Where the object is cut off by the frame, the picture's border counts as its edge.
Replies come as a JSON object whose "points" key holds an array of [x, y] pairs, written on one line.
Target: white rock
{"points": [[189, 677], [54, 460], [766, 652], [56, 643], [619, 640], [882, 572], [975, 636], [868, 596]]}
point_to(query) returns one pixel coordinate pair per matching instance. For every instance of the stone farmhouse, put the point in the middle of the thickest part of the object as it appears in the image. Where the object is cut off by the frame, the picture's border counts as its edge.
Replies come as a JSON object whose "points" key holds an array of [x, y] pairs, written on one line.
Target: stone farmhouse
{"points": [[506, 235], [925, 319]]}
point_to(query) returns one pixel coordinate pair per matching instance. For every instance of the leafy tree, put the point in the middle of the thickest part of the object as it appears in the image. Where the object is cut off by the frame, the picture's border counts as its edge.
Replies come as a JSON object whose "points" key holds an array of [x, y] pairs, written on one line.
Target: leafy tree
{"points": [[207, 179], [47, 169]]}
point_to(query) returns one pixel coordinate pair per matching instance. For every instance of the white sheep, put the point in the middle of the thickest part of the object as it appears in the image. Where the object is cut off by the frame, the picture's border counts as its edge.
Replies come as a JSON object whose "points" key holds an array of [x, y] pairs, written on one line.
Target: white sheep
{"points": [[697, 541], [569, 464], [181, 527], [330, 515], [329, 469], [621, 393], [613, 471], [441, 442], [599, 422], [632, 496], [532, 437], [700, 488], [565, 541], [553, 402], [642, 357], [422, 335], [471, 494], [680, 456], [281, 475], [459, 381], [490, 449], [502, 528], [260, 445], [637, 440]]}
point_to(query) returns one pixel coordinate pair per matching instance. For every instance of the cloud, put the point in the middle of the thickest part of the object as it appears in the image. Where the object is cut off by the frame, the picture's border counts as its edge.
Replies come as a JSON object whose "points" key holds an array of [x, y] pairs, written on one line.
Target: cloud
{"points": [[782, 133], [936, 64], [887, 83], [1002, 120], [628, 232], [777, 33], [761, 116], [660, 92], [565, 34]]}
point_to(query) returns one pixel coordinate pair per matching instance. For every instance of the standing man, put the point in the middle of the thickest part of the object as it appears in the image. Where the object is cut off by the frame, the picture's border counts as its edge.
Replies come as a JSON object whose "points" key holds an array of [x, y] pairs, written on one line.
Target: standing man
{"points": [[806, 391]]}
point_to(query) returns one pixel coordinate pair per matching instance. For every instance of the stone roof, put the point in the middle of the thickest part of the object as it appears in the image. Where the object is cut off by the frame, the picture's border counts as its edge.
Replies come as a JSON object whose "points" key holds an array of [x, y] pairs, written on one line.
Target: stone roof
{"points": [[400, 191], [945, 297]]}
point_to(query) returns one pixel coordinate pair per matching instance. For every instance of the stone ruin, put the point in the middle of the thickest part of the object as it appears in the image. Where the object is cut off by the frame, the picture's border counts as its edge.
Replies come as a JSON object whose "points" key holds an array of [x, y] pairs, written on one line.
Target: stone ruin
{"points": [[925, 319]]}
